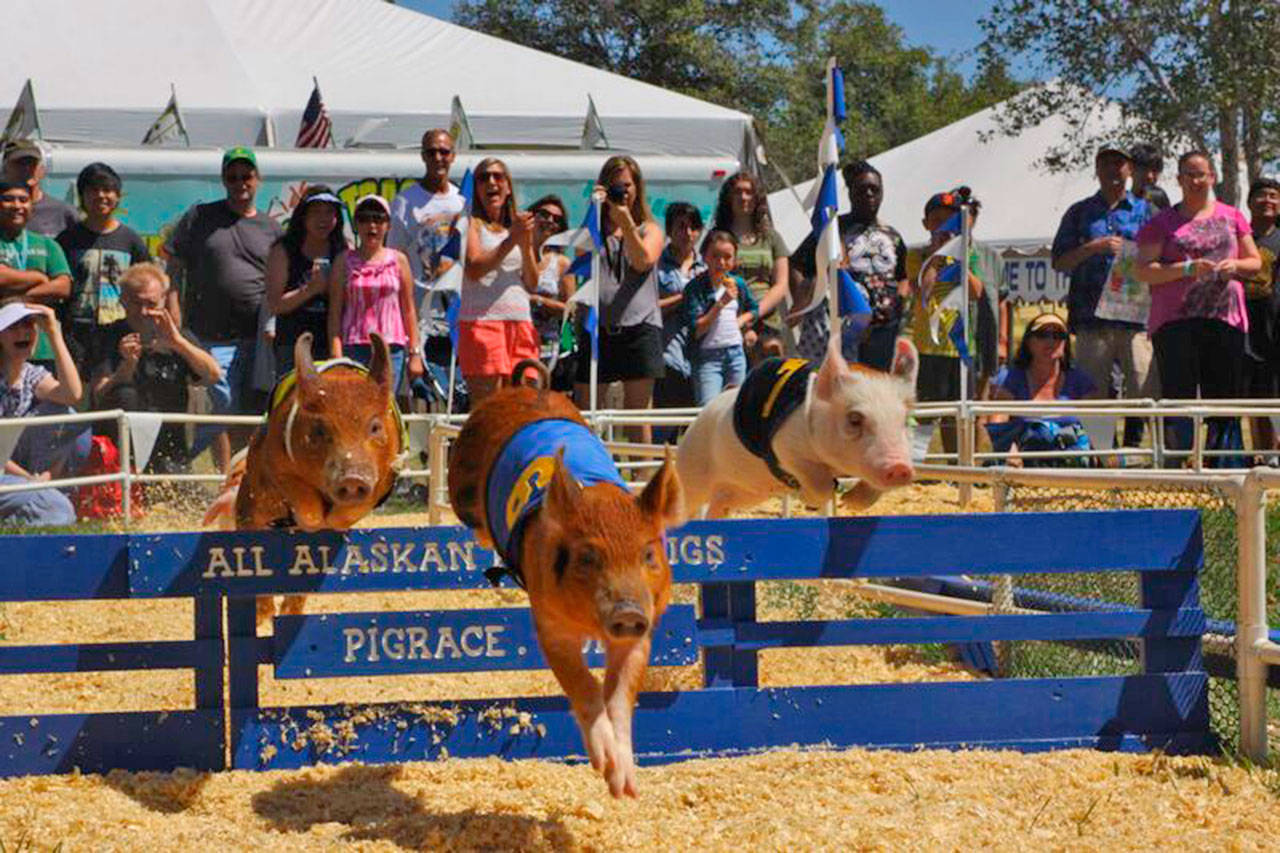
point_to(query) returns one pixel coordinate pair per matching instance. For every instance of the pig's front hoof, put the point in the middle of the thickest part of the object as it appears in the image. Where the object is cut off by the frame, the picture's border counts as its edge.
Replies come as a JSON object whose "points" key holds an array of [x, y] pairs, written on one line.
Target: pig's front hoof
{"points": [[621, 775], [860, 497], [597, 734]]}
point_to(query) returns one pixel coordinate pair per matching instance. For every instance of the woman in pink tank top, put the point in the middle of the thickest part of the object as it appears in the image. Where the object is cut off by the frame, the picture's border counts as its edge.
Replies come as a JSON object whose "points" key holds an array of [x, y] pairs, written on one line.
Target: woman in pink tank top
{"points": [[371, 290], [495, 328]]}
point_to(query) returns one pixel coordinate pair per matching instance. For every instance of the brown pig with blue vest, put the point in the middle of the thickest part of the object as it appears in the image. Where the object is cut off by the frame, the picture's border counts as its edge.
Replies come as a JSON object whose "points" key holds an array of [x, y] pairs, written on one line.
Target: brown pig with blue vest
{"points": [[534, 483]]}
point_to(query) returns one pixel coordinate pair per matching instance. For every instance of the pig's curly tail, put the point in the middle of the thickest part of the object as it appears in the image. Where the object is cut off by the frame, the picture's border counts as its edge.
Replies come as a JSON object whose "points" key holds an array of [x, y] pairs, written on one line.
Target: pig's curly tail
{"points": [[541, 381]]}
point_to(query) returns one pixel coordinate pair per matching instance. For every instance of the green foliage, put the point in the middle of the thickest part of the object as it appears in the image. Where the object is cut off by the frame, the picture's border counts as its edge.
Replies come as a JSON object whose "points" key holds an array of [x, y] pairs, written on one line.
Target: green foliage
{"points": [[763, 57], [1187, 73]]}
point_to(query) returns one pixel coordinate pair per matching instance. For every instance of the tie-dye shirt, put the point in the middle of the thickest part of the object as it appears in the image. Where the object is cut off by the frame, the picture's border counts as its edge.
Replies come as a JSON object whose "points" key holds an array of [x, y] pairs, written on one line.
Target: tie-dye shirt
{"points": [[1216, 237], [371, 302]]}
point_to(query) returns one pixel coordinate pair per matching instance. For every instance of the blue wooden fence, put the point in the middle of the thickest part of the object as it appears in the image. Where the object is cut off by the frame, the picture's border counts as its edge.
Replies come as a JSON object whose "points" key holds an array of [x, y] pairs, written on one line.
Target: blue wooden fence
{"points": [[1166, 706]]}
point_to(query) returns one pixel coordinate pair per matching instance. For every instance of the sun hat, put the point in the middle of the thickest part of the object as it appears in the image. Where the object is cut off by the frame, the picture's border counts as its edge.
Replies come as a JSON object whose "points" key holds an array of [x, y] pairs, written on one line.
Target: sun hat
{"points": [[1045, 320], [371, 199], [23, 149], [15, 312]]}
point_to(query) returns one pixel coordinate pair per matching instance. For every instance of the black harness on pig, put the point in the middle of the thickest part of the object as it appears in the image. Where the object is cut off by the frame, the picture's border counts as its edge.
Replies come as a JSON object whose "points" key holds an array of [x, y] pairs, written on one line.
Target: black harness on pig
{"points": [[772, 390]]}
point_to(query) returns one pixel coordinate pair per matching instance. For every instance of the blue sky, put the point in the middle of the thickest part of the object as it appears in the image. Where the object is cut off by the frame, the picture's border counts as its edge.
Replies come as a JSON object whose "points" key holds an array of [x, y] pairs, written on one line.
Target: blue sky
{"points": [[949, 26]]}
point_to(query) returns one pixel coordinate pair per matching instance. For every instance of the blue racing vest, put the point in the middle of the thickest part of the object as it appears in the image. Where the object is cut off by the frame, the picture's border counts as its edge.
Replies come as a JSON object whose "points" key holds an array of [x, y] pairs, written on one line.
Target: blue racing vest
{"points": [[519, 478]]}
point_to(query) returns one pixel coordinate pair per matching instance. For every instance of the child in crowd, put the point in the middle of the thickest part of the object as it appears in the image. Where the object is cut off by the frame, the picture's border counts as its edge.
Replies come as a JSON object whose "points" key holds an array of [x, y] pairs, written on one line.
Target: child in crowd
{"points": [[99, 249], [41, 453], [371, 290], [719, 310]]}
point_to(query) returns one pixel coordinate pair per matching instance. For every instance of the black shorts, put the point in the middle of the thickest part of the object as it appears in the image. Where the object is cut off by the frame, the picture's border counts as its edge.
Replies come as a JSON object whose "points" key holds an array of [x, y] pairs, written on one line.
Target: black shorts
{"points": [[626, 352]]}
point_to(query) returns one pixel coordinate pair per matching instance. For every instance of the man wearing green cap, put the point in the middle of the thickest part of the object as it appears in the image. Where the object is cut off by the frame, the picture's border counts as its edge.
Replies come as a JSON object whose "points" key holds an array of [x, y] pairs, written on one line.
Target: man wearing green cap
{"points": [[218, 254]]}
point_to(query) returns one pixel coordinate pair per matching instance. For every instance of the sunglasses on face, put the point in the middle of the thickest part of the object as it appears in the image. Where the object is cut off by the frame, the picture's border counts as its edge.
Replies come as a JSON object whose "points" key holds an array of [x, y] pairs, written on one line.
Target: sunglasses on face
{"points": [[490, 176], [437, 152], [549, 215], [365, 218], [238, 177], [1049, 334]]}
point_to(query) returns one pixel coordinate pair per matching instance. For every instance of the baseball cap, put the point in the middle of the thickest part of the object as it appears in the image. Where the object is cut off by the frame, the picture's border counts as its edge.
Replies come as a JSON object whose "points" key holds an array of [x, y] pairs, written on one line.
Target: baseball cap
{"points": [[1113, 147], [376, 200], [15, 312], [937, 200], [20, 149], [231, 155]]}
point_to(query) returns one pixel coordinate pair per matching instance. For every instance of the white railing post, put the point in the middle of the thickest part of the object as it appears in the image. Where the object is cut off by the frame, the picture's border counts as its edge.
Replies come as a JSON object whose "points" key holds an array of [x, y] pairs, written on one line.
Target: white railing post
{"points": [[1197, 443], [436, 478], [965, 445], [126, 468], [1251, 620], [1002, 592]]}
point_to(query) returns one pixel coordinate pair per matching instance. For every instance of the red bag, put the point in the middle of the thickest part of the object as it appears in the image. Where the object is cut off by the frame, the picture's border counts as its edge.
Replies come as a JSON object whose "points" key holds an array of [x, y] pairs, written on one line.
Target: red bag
{"points": [[103, 500]]}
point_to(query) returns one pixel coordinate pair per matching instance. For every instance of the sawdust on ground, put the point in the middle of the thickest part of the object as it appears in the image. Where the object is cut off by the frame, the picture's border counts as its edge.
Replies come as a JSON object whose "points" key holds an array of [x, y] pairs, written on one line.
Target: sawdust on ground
{"points": [[787, 799]]}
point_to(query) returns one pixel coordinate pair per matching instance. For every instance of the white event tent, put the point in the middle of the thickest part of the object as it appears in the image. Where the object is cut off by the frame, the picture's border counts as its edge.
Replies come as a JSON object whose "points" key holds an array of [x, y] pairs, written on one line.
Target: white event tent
{"points": [[1022, 202], [242, 71]]}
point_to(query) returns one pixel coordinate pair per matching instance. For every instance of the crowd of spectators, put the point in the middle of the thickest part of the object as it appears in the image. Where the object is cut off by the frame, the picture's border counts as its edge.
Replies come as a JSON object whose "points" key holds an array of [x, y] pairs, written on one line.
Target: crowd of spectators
{"points": [[1173, 299]]}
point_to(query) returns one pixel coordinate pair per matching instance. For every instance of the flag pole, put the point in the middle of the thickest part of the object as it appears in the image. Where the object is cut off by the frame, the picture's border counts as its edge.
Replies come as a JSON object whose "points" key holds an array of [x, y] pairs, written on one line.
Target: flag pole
{"points": [[964, 299], [595, 305]]}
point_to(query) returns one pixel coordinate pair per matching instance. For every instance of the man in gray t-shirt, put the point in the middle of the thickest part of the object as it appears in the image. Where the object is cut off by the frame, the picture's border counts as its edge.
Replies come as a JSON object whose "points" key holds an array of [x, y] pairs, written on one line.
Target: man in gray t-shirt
{"points": [[218, 251], [24, 164]]}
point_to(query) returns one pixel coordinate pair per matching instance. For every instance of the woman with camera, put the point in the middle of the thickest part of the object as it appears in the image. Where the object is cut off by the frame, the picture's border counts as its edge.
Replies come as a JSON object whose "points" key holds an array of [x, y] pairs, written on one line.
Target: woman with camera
{"points": [[630, 321], [298, 267]]}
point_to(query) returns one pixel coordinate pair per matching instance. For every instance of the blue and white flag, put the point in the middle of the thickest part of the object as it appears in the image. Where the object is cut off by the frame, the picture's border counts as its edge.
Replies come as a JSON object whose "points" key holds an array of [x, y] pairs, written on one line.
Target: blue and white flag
{"points": [[585, 266], [450, 281]]}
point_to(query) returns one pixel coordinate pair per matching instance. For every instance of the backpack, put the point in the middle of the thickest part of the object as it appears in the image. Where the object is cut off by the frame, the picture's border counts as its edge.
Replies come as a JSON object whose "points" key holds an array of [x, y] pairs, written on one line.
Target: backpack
{"points": [[103, 500]]}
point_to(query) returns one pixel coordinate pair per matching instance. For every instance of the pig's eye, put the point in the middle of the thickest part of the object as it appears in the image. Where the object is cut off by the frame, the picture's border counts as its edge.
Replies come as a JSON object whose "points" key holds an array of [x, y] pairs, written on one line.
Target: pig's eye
{"points": [[375, 427], [317, 433], [588, 559], [651, 556], [855, 421]]}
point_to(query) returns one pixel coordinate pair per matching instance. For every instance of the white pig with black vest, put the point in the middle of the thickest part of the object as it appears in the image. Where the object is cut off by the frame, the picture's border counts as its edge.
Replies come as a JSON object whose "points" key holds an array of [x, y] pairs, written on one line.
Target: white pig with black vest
{"points": [[796, 425]]}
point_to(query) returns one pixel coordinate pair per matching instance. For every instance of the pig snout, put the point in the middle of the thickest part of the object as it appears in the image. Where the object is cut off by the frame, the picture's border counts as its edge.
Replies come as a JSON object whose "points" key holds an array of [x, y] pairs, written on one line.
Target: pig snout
{"points": [[353, 490], [627, 621], [897, 474], [351, 480]]}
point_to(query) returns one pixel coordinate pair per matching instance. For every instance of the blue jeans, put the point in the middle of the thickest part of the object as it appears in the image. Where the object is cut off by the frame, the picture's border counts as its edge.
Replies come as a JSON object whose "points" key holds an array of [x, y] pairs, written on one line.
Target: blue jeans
{"points": [[37, 508], [363, 353], [717, 369], [227, 395]]}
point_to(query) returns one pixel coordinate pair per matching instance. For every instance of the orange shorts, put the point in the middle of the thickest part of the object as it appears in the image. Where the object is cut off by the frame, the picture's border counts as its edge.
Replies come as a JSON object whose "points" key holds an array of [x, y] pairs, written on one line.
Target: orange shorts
{"points": [[493, 347]]}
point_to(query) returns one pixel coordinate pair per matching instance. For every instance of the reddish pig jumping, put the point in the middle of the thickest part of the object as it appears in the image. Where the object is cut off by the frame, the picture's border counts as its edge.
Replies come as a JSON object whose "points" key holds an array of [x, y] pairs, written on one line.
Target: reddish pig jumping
{"points": [[327, 455], [791, 426], [535, 484]]}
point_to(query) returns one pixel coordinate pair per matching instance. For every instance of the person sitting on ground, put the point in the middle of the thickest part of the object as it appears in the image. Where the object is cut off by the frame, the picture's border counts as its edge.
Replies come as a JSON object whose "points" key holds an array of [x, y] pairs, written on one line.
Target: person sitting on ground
{"points": [[145, 363], [98, 250], [1041, 370], [720, 312], [46, 452], [298, 268]]}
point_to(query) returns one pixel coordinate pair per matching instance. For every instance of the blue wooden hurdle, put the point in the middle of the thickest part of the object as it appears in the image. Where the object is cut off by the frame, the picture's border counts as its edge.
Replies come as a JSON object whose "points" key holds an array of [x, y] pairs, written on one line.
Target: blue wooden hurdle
{"points": [[1166, 706]]}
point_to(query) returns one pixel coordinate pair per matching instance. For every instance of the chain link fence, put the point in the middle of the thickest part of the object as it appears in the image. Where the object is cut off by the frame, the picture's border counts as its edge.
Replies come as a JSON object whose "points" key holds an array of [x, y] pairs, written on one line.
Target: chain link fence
{"points": [[1218, 592]]}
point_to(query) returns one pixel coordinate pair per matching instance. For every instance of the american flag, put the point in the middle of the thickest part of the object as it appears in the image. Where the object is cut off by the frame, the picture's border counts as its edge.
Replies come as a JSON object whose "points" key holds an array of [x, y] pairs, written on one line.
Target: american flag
{"points": [[315, 131]]}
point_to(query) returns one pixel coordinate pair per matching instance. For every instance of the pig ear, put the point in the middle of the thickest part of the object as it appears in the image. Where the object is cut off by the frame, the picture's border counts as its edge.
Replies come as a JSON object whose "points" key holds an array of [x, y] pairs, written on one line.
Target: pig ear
{"points": [[563, 493], [906, 362], [305, 368], [380, 364], [663, 498], [833, 369]]}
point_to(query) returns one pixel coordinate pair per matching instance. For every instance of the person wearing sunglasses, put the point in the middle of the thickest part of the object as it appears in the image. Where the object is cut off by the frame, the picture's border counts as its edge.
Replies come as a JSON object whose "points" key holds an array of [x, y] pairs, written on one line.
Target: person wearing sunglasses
{"points": [[423, 218], [555, 286], [1041, 370], [371, 290], [495, 322]]}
